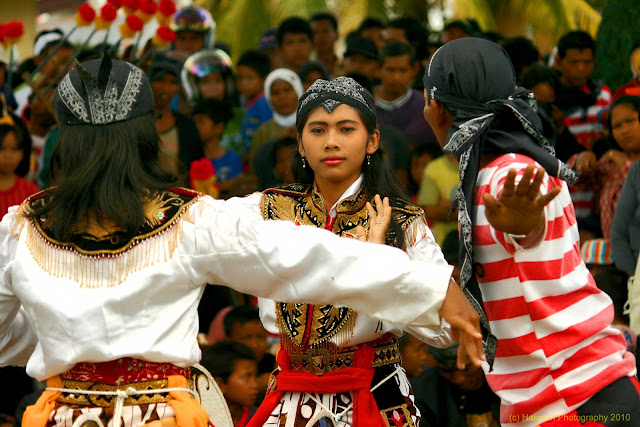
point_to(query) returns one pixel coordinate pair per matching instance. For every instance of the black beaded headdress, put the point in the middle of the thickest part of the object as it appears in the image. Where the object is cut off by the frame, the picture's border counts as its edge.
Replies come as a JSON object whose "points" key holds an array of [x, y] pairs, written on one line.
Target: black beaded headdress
{"points": [[102, 91], [331, 93]]}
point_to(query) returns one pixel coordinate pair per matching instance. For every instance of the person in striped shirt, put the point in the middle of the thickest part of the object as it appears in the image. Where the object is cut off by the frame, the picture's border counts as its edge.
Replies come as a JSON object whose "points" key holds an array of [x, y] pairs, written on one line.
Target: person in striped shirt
{"points": [[552, 356]]}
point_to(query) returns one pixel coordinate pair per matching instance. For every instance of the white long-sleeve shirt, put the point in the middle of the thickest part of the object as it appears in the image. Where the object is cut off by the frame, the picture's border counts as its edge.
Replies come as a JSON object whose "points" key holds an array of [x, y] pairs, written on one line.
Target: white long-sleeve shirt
{"points": [[51, 322], [368, 328]]}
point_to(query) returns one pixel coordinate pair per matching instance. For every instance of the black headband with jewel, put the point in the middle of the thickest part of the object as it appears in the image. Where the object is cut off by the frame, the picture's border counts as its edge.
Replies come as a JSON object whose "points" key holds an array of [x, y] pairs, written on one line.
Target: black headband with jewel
{"points": [[102, 91], [331, 93]]}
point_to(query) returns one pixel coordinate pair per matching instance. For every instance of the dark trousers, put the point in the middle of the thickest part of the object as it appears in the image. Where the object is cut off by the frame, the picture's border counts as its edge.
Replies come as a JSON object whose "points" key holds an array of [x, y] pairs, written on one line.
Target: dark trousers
{"points": [[616, 405]]}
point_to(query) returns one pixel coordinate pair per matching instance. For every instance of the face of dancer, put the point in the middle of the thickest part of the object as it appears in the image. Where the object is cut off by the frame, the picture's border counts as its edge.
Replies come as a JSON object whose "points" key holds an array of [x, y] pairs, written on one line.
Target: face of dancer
{"points": [[335, 145]]}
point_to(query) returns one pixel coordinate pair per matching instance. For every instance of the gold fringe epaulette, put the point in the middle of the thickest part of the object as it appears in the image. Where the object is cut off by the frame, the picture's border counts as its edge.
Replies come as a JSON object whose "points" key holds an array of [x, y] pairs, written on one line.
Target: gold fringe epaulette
{"points": [[108, 267]]}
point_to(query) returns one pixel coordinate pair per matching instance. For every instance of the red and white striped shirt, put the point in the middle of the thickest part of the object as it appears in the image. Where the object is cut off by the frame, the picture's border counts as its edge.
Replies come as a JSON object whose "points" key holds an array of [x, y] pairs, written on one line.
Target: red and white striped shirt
{"points": [[556, 347], [583, 123]]}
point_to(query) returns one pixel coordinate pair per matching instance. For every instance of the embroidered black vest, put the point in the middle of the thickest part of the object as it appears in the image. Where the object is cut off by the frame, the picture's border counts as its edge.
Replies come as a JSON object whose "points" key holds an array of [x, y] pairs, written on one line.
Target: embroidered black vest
{"points": [[304, 325]]}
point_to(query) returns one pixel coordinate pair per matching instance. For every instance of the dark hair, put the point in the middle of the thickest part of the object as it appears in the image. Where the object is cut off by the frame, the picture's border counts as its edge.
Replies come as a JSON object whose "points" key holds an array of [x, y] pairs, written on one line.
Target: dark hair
{"points": [[220, 358], [580, 40], [257, 61], [379, 176], [293, 25], [283, 143], [218, 111], [416, 34], [240, 315], [112, 169], [371, 22], [362, 80], [396, 48], [464, 24], [312, 65], [522, 53], [6, 129], [539, 73], [325, 16], [64, 45], [493, 36], [633, 101]]}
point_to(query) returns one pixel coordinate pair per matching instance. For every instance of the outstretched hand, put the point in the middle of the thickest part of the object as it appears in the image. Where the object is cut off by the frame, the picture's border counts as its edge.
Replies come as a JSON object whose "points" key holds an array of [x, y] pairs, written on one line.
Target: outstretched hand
{"points": [[379, 219], [465, 326], [519, 210]]}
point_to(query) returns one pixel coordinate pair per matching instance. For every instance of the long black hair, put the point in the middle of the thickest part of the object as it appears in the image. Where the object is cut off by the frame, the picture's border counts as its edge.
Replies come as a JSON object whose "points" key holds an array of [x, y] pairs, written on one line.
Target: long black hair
{"points": [[108, 171], [378, 175]]}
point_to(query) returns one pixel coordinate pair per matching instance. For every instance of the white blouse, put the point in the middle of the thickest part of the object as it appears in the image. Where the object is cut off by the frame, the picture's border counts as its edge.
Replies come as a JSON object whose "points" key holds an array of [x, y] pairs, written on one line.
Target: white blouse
{"points": [[51, 322], [368, 328]]}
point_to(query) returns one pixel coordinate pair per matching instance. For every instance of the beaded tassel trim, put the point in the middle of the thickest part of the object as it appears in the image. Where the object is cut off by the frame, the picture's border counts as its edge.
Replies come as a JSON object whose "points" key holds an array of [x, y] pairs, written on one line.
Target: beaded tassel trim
{"points": [[103, 268]]}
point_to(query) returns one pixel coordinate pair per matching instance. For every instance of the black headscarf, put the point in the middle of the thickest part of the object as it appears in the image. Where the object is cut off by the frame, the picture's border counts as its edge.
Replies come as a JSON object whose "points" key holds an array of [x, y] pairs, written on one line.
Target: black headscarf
{"points": [[331, 93], [475, 80]]}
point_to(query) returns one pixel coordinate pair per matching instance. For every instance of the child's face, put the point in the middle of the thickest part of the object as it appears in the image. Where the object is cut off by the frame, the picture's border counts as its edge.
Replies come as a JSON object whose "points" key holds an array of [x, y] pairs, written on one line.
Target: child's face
{"points": [[206, 127], [164, 89], [295, 49], [251, 334], [249, 82], [241, 387], [625, 128], [189, 41], [414, 356], [10, 153], [283, 98], [212, 86]]}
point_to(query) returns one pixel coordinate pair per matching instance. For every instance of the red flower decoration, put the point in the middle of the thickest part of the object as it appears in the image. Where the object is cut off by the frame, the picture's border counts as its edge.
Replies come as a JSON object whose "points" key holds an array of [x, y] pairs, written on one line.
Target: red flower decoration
{"points": [[134, 22], [131, 5], [1, 35], [201, 169], [166, 33], [115, 3], [86, 12], [167, 7], [164, 36], [12, 30], [109, 12], [148, 7]]}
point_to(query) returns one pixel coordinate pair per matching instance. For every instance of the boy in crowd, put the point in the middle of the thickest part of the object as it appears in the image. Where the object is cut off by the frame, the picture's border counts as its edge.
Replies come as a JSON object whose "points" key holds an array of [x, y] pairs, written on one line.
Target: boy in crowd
{"points": [[294, 42], [211, 117], [234, 367], [324, 27], [397, 103], [242, 324], [180, 142], [253, 68]]}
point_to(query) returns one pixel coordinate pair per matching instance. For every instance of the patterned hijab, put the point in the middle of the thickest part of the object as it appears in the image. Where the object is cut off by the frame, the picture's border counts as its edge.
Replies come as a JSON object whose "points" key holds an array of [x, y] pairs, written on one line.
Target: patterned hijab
{"points": [[475, 80], [331, 93]]}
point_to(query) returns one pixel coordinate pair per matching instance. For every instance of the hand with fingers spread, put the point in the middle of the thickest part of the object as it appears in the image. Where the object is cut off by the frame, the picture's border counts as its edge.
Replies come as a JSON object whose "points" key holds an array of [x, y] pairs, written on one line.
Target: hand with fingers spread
{"points": [[519, 209], [465, 326], [379, 219]]}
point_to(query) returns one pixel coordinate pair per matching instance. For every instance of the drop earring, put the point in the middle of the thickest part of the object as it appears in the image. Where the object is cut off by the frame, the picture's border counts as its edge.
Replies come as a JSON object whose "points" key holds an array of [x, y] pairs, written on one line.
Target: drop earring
{"points": [[368, 160], [304, 162]]}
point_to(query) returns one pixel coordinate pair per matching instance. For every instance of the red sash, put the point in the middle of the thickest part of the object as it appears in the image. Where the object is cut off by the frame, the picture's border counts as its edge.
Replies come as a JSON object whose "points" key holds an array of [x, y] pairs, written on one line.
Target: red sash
{"points": [[357, 379]]}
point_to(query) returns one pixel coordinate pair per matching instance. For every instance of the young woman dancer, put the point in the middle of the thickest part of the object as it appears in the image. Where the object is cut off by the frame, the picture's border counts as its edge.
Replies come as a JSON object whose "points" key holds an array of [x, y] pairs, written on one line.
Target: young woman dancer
{"points": [[335, 362]]}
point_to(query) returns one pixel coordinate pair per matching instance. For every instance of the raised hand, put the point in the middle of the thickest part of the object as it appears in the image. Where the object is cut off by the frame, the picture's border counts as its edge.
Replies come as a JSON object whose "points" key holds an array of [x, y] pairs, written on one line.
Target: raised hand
{"points": [[379, 219], [519, 210]]}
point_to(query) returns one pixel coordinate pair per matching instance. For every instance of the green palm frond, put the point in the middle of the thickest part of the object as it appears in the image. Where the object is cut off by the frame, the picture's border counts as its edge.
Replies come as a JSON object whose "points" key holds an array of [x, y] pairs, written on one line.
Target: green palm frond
{"points": [[351, 13], [480, 10], [242, 22]]}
